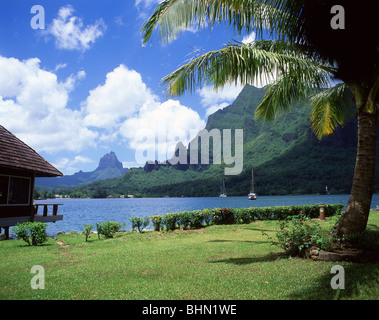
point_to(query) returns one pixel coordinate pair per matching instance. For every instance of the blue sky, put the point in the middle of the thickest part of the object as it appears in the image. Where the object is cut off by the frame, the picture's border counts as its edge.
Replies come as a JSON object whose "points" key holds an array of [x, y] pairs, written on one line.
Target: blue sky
{"points": [[85, 86]]}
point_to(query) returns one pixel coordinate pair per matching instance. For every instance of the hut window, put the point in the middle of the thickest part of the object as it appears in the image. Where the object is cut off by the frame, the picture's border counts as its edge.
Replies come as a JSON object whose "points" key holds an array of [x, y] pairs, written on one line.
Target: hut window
{"points": [[4, 181], [14, 190], [18, 191]]}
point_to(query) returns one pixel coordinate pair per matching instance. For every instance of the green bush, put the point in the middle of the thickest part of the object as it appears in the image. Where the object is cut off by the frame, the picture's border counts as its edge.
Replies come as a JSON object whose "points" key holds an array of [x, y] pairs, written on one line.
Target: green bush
{"points": [[242, 215], [208, 216], [247, 215], [184, 219], [33, 233], [108, 228], [139, 223], [157, 222], [197, 218], [223, 216], [169, 220], [297, 233]]}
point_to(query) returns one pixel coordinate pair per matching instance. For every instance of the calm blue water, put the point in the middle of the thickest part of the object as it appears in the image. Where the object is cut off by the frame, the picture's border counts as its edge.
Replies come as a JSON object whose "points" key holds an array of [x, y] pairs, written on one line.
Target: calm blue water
{"points": [[77, 212]]}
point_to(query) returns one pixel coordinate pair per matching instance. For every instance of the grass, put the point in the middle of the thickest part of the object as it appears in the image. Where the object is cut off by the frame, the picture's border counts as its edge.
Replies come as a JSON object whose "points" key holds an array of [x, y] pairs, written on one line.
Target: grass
{"points": [[214, 263]]}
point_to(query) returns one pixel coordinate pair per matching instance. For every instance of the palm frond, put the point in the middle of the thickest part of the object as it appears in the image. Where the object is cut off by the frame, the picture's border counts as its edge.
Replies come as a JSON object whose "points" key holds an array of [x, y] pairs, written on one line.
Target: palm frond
{"points": [[171, 17], [241, 64], [331, 108]]}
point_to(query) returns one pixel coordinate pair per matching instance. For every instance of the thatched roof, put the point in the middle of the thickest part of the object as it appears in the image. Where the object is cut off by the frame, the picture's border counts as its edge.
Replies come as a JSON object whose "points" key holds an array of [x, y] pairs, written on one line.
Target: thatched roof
{"points": [[15, 154]]}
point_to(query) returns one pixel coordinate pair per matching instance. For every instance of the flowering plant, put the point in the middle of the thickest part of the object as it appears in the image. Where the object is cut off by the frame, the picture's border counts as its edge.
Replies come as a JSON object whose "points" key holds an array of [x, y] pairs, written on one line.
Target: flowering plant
{"points": [[296, 234]]}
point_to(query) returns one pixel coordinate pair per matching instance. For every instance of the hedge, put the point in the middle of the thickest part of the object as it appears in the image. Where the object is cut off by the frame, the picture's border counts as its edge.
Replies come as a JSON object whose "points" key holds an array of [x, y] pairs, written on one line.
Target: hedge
{"points": [[198, 218]]}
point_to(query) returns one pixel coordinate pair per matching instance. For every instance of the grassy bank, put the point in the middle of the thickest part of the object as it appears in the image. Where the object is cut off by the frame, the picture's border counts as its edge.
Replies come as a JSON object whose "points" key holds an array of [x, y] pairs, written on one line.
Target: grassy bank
{"points": [[217, 262]]}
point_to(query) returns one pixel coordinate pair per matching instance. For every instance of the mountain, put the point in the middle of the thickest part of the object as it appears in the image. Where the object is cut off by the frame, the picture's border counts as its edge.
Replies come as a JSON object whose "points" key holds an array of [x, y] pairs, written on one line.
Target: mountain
{"points": [[109, 167], [286, 156]]}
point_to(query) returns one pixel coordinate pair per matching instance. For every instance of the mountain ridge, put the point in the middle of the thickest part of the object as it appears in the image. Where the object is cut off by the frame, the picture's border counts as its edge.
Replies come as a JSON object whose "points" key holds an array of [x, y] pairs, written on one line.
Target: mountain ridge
{"points": [[109, 167], [286, 156]]}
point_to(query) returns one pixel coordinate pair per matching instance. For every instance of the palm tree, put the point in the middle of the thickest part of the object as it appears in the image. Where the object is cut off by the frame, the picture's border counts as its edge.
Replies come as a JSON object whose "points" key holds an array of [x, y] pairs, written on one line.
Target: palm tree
{"points": [[300, 58]]}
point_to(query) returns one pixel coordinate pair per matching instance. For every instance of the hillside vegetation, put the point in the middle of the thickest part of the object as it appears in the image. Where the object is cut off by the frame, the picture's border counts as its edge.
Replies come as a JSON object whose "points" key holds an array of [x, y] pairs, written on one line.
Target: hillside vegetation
{"points": [[286, 156]]}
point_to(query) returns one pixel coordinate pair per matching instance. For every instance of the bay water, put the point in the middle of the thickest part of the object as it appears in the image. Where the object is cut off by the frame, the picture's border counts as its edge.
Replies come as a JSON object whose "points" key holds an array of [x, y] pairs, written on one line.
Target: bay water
{"points": [[77, 212]]}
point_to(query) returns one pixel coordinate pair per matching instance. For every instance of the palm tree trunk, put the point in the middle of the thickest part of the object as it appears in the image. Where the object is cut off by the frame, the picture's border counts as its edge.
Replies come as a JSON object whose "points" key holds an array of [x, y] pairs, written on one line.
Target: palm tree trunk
{"points": [[355, 217]]}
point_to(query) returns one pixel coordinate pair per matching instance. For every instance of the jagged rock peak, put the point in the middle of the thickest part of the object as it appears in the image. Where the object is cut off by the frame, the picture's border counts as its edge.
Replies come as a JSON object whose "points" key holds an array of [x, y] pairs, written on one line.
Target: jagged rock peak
{"points": [[109, 161]]}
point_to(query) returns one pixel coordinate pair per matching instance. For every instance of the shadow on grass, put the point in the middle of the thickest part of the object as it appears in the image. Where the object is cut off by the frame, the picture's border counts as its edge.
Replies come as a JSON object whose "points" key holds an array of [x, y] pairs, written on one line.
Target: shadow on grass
{"points": [[246, 241], [251, 260], [372, 228], [358, 277], [260, 230]]}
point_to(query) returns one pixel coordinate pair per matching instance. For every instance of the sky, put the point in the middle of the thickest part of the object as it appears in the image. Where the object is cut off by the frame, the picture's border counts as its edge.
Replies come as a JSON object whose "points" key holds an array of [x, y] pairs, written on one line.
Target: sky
{"points": [[84, 85]]}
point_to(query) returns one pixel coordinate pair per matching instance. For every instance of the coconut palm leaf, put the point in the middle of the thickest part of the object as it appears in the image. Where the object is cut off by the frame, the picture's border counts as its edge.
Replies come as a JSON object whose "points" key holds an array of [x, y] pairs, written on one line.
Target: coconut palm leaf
{"points": [[262, 61], [331, 108], [171, 17]]}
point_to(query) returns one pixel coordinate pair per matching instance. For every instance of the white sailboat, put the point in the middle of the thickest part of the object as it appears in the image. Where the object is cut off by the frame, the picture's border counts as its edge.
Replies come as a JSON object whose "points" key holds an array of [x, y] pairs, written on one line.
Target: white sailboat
{"points": [[252, 195], [223, 190]]}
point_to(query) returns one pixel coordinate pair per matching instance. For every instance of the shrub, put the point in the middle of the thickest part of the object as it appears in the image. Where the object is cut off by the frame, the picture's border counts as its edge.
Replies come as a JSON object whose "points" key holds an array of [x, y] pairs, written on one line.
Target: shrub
{"points": [[208, 216], [223, 216], [157, 222], [169, 220], [197, 218], [297, 233], [242, 215], [139, 223], [184, 219], [247, 215], [87, 230], [33, 233], [108, 228]]}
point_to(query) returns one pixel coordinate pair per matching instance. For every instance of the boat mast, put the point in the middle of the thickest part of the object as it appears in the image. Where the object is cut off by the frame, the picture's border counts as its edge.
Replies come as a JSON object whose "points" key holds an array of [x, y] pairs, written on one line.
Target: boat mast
{"points": [[252, 181]]}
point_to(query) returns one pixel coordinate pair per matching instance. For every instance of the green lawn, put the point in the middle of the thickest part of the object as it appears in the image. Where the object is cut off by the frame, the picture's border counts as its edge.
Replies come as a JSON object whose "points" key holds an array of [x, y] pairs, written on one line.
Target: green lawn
{"points": [[219, 262]]}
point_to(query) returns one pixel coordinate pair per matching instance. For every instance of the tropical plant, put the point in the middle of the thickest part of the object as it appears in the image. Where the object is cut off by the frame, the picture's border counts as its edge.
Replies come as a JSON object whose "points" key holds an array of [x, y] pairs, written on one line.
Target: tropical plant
{"points": [[33, 233], [139, 223], [300, 56], [108, 228], [87, 230], [157, 222], [296, 234]]}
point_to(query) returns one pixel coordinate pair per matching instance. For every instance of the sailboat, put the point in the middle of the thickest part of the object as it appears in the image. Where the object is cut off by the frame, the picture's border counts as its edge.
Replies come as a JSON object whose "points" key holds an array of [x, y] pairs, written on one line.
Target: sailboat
{"points": [[252, 195], [223, 190]]}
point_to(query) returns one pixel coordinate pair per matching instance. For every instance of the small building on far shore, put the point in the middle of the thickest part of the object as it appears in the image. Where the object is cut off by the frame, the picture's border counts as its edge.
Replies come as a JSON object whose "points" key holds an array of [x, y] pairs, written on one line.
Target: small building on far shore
{"points": [[19, 166]]}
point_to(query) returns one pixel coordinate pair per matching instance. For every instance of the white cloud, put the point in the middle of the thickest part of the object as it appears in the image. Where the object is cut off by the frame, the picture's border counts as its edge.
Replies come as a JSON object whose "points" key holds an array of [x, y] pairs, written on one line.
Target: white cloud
{"points": [[33, 105], [249, 38], [70, 32], [215, 107], [131, 164], [60, 66], [146, 3], [213, 100], [122, 94], [69, 165], [158, 127], [125, 107]]}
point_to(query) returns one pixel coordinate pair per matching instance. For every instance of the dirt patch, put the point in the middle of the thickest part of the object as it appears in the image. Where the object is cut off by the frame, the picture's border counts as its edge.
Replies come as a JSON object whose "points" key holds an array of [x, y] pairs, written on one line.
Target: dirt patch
{"points": [[61, 243]]}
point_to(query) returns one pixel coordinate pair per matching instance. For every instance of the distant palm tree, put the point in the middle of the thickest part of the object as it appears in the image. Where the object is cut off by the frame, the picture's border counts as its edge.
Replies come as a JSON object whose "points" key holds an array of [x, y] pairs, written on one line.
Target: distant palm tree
{"points": [[301, 58]]}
